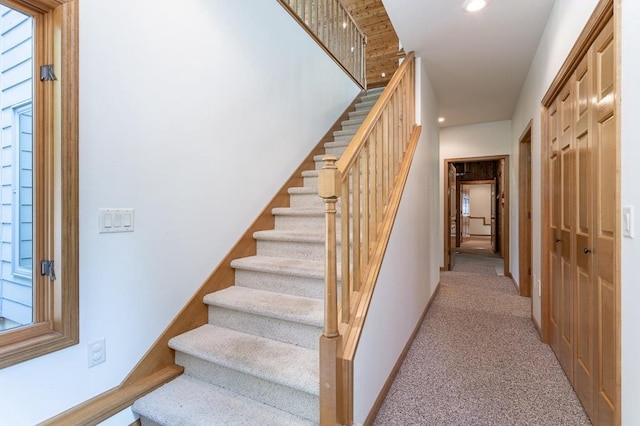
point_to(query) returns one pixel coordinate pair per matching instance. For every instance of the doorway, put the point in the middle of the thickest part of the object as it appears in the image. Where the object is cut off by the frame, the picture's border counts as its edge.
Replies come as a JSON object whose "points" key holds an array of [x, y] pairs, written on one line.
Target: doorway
{"points": [[493, 171], [525, 249]]}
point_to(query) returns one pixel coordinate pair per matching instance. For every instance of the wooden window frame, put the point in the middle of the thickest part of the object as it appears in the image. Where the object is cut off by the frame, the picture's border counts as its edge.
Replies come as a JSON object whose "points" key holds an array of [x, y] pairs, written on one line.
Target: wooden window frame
{"points": [[55, 109]]}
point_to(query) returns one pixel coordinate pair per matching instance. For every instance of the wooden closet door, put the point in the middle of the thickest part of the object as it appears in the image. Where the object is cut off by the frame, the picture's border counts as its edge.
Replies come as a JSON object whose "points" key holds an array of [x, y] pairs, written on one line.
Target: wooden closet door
{"points": [[554, 229], [604, 251], [566, 235], [584, 302]]}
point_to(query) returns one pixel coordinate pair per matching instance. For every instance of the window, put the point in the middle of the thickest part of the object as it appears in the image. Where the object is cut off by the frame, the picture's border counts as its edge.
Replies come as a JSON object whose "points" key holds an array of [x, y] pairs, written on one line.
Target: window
{"points": [[38, 178]]}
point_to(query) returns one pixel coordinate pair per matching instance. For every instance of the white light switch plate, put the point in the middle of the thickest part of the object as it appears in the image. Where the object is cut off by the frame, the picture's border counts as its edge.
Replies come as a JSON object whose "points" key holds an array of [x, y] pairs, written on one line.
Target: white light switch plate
{"points": [[115, 220], [627, 221]]}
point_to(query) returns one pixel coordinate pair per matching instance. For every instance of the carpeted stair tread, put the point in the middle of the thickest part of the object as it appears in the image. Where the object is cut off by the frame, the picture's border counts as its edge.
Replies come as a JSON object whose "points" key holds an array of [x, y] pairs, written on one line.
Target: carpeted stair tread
{"points": [[298, 309], [189, 401], [289, 236], [297, 211], [282, 363], [281, 266]]}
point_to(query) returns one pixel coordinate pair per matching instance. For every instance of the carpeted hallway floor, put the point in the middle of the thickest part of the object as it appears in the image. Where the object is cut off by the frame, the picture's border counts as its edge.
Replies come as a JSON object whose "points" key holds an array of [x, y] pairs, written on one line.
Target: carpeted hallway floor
{"points": [[477, 360]]}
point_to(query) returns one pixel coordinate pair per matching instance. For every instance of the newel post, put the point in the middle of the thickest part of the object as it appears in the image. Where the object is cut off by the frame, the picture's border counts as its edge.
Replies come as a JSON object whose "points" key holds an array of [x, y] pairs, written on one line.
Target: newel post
{"points": [[329, 184]]}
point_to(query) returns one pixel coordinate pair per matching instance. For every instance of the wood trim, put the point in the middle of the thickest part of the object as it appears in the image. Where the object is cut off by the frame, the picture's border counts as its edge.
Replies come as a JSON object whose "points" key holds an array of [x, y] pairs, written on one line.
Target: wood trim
{"points": [[598, 19], [394, 371], [524, 218], [537, 326], [111, 402], [617, 31], [507, 217], [56, 308], [484, 223]]}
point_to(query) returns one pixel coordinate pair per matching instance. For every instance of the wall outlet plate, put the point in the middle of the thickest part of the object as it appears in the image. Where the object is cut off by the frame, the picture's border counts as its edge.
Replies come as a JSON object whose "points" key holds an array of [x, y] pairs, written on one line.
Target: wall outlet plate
{"points": [[97, 352]]}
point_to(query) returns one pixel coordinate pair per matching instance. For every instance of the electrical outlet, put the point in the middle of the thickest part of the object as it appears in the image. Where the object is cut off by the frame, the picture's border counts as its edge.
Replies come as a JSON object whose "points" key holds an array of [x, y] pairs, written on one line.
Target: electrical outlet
{"points": [[97, 352]]}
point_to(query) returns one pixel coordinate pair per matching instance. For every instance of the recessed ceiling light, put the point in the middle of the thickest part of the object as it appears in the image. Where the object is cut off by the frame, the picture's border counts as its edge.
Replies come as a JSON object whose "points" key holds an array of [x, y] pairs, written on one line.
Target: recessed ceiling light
{"points": [[474, 5], [441, 120], [383, 75]]}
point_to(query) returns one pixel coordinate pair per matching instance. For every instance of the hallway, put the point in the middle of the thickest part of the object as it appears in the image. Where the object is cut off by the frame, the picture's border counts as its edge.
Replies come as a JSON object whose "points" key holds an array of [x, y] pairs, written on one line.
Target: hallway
{"points": [[478, 360]]}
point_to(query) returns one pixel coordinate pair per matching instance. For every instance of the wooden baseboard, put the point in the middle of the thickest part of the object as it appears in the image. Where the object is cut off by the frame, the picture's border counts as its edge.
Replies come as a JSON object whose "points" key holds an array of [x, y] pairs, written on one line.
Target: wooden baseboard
{"points": [[515, 285], [537, 326], [394, 372]]}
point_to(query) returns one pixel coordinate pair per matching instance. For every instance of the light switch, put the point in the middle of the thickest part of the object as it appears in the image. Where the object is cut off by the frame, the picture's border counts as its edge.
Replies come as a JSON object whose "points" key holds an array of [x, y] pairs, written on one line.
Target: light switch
{"points": [[627, 221], [115, 220]]}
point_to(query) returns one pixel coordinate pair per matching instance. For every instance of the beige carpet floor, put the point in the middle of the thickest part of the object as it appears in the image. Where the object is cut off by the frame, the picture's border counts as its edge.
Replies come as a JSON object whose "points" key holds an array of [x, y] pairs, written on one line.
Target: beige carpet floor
{"points": [[478, 360]]}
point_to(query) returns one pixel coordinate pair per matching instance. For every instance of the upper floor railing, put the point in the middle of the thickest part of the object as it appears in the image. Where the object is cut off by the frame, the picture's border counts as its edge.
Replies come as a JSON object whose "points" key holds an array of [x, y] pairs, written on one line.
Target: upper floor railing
{"points": [[331, 25]]}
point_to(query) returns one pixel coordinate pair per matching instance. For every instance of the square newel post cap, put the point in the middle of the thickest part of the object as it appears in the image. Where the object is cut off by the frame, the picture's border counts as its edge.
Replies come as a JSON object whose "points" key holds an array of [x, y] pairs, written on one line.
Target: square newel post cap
{"points": [[329, 178]]}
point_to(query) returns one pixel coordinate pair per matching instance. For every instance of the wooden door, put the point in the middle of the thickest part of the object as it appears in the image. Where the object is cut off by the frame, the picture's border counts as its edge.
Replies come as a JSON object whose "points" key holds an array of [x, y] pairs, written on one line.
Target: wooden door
{"points": [[525, 215], [453, 216], [494, 208], [566, 243], [607, 293], [553, 255], [583, 207]]}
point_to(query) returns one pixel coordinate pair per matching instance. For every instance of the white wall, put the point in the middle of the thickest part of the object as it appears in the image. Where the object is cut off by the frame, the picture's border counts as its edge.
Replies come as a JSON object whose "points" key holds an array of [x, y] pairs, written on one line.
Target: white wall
{"points": [[566, 21], [479, 206], [194, 115], [410, 272], [630, 197], [476, 140]]}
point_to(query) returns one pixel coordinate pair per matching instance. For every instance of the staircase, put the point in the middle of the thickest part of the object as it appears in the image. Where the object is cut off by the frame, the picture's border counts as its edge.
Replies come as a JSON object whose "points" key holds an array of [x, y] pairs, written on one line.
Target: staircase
{"points": [[256, 361]]}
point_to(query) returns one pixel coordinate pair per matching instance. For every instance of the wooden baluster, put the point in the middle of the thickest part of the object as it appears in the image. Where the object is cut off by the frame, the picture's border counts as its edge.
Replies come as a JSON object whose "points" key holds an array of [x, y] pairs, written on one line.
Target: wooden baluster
{"points": [[357, 212], [330, 341], [347, 288], [364, 157]]}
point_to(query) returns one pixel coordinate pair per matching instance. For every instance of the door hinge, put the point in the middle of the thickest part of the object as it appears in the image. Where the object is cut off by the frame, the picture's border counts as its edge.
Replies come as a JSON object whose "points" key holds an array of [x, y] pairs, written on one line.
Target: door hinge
{"points": [[46, 73], [47, 269], [529, 271], [528, 215]]}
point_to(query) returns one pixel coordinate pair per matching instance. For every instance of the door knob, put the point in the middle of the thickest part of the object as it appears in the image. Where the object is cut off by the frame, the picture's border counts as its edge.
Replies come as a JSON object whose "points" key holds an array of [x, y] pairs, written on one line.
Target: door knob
{"points": [[557, 240], [586, 250]]}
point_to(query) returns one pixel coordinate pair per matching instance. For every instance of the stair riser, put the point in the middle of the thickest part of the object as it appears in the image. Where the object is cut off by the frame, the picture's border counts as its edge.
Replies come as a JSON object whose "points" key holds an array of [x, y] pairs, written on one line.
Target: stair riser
{"points": [[308, 201], [337, 151], [146, 422], [296, 286], [365, 105], [276, 395], [300, 223], [310, 182], [355, 115], [294, 333], [291, 249]]}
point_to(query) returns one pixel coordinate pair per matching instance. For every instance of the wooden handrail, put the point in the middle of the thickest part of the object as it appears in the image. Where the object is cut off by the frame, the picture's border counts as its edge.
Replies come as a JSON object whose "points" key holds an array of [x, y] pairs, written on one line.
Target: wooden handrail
{"points": [[369, 179], [330, 24]]}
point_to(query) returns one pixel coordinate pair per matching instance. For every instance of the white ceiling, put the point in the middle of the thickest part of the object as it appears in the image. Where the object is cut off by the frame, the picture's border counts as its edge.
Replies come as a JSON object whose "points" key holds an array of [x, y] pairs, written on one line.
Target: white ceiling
{"points": [[476, 62]]}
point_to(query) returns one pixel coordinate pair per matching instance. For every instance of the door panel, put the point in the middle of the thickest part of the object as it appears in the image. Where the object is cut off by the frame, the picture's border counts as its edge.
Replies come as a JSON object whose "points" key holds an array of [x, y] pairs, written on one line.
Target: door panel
{"points": [[566, 243], [584, 301], [608, 329], [555, 280]]}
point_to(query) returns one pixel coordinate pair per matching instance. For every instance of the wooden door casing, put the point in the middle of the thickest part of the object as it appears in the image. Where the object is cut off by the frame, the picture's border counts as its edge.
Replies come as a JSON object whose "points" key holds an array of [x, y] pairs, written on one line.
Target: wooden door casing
{"points": [[453, 216]]}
